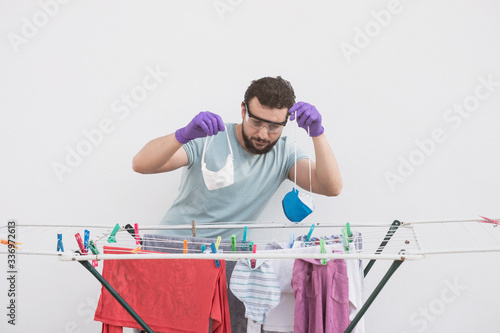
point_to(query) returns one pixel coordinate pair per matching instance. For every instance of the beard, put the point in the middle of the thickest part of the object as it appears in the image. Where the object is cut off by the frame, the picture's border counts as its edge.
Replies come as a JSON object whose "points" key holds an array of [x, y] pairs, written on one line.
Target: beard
{"points": [[250, 145]]}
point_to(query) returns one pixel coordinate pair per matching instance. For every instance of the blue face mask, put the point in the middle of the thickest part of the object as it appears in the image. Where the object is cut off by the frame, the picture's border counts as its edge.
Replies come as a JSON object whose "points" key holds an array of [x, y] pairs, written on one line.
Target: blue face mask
{"points": [[297, 206]]}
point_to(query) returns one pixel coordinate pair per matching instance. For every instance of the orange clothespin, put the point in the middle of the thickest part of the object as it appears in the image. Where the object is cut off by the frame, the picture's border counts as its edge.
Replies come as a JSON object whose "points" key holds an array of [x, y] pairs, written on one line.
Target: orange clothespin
{"points": [[137, 249], [6, 242], [185, 246]]}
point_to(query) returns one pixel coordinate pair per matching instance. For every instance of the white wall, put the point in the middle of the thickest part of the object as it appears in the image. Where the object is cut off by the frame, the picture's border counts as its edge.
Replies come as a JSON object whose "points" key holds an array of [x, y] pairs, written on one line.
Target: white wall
{"points": [[66, 65]]}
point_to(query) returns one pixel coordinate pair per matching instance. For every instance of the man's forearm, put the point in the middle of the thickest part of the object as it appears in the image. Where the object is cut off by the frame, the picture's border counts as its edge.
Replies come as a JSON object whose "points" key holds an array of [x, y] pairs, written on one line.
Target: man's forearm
{"points": [[156, 154], [327, 169]]}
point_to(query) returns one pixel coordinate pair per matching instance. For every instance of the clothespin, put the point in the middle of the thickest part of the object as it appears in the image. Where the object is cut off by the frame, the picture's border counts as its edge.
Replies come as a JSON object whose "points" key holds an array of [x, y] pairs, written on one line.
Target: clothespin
{"points": [[349, 233], [218, 242], [214, 250], [80, 243], [193, 227], [202, 248], [6, 242], [137, 249], [292, 239], [323, 250], [60, 245], [487, 220], [86, 237], [345, 240], [253, 261], [185, 246], [233, 242], [111, 238], [244, 242], [93, 248], [137, 237], [250, 247], [95, 251], [308, 237]]}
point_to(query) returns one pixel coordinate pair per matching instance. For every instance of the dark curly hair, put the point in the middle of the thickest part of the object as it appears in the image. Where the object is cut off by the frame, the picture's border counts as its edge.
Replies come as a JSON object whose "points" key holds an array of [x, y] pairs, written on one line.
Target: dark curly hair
{"points": [[272, 92]]}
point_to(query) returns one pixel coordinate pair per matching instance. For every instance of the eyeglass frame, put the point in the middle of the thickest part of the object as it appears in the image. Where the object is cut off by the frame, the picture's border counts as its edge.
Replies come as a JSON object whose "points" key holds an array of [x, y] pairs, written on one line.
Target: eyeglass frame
{"points": [[249, 114]]}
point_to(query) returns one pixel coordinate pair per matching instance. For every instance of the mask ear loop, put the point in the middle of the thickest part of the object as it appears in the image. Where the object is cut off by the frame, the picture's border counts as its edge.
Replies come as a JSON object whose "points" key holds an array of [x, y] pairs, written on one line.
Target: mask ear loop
{"points": [[310, 148], [295, 146]]}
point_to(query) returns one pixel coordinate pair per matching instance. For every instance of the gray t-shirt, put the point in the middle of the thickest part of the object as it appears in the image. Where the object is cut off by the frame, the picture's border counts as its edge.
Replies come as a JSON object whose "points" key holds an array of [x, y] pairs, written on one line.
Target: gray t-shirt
{"points": [[256, 178]]}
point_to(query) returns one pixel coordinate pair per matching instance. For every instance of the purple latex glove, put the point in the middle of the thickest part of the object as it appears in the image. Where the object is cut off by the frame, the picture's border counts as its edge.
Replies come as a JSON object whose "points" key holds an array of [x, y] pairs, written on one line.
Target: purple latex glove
{"points": [[307, 117], [203, 124]]}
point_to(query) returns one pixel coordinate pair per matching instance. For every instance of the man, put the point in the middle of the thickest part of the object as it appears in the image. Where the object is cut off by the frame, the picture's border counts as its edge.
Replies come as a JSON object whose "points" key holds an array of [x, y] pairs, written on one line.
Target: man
{"points": [[233, 182]]}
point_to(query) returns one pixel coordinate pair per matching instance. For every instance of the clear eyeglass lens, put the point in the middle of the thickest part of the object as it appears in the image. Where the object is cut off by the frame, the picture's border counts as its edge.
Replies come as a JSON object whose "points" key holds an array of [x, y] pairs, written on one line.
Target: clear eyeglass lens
{"points": [[257, 124]]}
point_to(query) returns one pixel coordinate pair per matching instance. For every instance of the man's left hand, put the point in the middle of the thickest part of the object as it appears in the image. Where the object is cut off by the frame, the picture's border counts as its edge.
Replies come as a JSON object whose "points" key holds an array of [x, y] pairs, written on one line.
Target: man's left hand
{"points": [[307, 117]]}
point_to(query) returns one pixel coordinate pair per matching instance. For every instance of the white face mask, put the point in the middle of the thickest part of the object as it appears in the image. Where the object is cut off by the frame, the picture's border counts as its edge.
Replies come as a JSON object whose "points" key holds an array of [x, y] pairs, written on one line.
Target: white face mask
{"points": [[222, 178]]}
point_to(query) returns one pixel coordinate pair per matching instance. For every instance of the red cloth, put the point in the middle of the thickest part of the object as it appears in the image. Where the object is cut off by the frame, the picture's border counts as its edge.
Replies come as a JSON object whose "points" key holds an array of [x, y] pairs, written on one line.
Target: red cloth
{"points": [[170, 295]]}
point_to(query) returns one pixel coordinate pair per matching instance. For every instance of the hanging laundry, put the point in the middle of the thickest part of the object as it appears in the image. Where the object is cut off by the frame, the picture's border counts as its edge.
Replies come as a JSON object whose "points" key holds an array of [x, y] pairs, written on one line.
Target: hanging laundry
{"points": [[175, 295], [257, 288], [172, 244]]}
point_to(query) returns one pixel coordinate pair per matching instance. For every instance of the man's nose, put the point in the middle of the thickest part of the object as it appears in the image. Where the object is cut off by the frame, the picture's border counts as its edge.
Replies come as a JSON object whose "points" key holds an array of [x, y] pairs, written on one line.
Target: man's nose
{"points": [[264, 132]]}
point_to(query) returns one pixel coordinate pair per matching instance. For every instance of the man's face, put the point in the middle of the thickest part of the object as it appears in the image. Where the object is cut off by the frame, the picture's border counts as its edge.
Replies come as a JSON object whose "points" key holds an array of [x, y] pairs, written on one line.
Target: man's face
{"points": [[262, 126]]}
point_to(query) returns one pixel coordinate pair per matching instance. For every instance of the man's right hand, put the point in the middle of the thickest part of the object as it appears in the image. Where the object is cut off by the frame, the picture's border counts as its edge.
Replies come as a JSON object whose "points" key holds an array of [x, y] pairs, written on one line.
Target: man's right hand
{"points": [[203, 124]]}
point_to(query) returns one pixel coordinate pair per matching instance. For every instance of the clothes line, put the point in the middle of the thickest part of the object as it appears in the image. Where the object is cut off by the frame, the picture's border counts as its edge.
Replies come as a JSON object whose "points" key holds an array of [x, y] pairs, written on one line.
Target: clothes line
{"points": [[236, 256]]}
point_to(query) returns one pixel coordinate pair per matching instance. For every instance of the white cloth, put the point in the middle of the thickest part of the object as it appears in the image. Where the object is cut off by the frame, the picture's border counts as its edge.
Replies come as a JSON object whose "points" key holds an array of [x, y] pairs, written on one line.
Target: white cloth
{"points": [[257, 288]]}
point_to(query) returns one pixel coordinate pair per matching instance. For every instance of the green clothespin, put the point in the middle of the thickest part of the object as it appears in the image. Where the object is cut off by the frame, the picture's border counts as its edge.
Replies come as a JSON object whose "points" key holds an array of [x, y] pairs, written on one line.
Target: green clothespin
{"points": [[95, 251], [349, 233], [323, 250], [345, 240], [111, 238], [93, 248], [233, 242], [250, 247]]}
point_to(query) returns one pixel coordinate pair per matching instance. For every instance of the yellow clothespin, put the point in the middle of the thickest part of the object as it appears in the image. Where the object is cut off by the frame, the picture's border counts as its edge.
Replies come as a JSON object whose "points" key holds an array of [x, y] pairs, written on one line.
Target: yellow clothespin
{"points": [[218, 242]]}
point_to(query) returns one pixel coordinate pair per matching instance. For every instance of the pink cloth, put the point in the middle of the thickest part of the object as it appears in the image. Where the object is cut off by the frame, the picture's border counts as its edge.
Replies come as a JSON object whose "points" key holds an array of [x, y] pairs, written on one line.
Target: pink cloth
{"points": [[170, 295], [321, 296]]}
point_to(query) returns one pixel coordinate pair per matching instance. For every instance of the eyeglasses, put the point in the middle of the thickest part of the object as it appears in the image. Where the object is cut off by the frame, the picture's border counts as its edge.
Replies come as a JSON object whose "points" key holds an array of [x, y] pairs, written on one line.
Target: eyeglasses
{"points": [[257, 123]]}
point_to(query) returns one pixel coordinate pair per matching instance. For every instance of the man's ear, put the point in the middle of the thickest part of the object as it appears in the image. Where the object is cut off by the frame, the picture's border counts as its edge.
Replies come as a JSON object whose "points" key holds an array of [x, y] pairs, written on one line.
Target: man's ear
{"points": [[242, 110]]}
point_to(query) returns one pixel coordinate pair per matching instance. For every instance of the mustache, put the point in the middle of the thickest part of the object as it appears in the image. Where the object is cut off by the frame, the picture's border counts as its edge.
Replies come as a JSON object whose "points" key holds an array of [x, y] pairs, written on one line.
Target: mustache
{"points": [[260, 140]]}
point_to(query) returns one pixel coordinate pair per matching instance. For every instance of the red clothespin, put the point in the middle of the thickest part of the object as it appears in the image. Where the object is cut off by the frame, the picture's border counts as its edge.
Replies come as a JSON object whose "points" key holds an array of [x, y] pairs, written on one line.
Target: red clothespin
{"points": [[487, 220], [137, 237], [80, 243], [253, 261]]}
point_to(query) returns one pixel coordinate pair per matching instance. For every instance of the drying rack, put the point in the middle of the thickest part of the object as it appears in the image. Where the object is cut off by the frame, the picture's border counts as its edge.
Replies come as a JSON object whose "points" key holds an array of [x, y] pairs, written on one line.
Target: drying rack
{"points": [[397, 242]]}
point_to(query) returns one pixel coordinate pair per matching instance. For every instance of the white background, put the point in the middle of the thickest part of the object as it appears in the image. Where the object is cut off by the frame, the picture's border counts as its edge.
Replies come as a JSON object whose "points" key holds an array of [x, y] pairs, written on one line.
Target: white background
{"points": [[64, 66]]}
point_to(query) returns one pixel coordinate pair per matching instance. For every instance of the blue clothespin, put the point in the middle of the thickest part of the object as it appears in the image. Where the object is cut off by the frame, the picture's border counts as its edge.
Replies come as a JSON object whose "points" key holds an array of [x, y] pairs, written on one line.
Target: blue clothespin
{"points": [[244, 242], [202, 248], [292, 239], [214, 250], [323, 250], [233, 242], [60, 245], [308, 237], [86, 237]]}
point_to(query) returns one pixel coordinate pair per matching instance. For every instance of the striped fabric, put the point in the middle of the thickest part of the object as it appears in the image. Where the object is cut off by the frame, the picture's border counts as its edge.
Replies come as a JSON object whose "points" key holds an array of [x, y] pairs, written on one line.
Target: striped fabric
{"points": [[257, 288]]}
